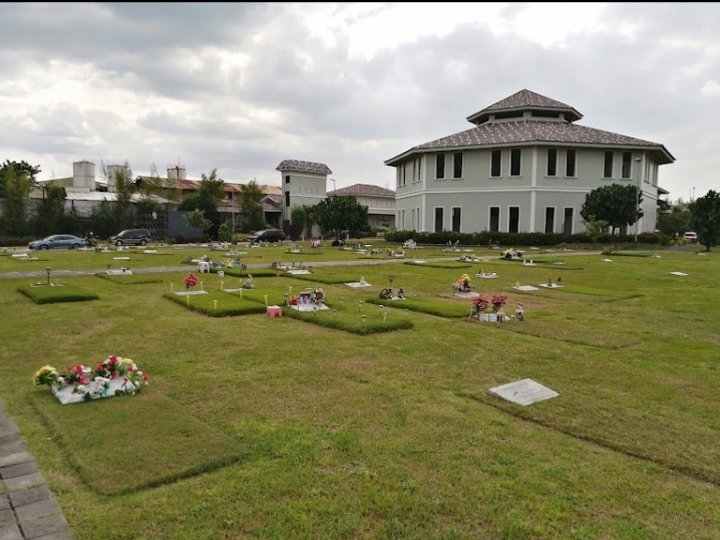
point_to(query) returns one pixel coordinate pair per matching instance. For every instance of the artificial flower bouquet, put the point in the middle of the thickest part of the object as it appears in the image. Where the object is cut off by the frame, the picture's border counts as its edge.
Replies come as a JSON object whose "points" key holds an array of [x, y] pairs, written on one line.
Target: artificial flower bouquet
{"points": [[113, 377]]}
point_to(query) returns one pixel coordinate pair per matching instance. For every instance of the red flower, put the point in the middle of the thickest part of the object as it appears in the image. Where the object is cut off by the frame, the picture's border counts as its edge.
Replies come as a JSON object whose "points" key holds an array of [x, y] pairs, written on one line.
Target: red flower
{"points": [[145, 378]]}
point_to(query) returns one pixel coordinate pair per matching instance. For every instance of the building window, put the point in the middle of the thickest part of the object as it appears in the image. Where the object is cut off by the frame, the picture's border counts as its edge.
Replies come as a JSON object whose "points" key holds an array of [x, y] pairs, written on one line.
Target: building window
{"points": [[568, 221], [570, 163], [417, 216], [515, 155], [552, 162], [496, 163], [514, 219], [439, 218], [627, 165], [494, 219], [287, 179], [419, 169], [608, 168], [457, 165], [439, 166], [456, 219], [549, 219], [404, 172], [287, 199]]}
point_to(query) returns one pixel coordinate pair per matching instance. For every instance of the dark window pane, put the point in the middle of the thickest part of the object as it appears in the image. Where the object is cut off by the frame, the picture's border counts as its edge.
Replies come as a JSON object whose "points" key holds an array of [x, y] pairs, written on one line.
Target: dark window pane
{"points": [[496, 165], [552, 162]]}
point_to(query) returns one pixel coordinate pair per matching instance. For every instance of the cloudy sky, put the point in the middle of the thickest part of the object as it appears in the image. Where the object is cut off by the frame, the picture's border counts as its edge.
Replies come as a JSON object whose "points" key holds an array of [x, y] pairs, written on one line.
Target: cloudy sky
{"points": [[239, 87]]}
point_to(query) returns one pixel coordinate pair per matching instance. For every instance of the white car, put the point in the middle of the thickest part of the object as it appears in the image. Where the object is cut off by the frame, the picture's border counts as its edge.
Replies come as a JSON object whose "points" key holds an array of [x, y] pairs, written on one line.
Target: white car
{"points": [[691, 237]]}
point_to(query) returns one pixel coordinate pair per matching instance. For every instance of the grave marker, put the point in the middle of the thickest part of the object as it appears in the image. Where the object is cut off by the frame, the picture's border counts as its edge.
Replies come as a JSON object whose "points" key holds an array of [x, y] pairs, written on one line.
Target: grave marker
{"points": [[524, 392]]}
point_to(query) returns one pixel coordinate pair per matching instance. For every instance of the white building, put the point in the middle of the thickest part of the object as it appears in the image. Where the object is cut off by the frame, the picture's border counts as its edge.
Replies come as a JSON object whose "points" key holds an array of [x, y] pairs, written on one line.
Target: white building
{"points": [[525, 166]]}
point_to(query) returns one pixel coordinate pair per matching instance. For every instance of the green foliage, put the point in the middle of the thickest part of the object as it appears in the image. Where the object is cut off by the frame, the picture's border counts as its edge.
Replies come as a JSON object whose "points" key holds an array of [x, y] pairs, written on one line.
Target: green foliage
{"points": [[124, 189], [301, 220], [17, 186], [209, 194], [197, 219], [102, 222], [595, 228], [18, 167], [225, 231], [51, 212], [615, 203], [705, 219], [251, 210], [337, 214], [676, 220]]}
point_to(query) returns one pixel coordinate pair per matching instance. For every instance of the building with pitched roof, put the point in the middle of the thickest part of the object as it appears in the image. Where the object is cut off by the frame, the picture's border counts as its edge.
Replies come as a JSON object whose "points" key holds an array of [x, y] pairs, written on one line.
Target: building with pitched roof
{"points": [[304, 183], [525, 166], [380, 202]]}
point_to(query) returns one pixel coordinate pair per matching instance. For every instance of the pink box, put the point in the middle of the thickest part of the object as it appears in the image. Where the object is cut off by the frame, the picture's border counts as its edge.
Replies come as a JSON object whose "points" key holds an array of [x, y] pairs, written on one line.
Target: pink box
{"points": [[274, 311]]}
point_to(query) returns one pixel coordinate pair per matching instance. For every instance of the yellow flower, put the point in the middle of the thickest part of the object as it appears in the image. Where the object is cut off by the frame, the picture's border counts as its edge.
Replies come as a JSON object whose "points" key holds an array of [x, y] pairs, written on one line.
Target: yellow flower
{"points": [[45, 375]]}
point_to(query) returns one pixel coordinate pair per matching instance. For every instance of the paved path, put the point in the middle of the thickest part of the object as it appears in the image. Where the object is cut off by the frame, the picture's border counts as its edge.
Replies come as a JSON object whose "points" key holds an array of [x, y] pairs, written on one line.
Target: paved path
{"points": [[27, 508]]}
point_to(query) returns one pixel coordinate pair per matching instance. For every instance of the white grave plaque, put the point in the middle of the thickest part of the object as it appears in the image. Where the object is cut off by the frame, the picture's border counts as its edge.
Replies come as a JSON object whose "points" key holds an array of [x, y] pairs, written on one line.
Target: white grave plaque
{"points": [[525, 288], [678, 273], [524, 392]]}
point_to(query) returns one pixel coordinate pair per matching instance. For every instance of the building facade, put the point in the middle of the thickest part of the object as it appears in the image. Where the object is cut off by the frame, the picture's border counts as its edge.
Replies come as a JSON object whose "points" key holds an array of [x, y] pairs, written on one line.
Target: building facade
{"points": [[304, 183], [526, 166]]}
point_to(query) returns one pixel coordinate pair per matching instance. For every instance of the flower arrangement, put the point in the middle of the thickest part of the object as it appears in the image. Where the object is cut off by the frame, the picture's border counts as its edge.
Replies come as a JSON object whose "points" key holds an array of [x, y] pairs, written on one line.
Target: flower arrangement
{"points": [[112, 377], [498, 301], [481, 303]]}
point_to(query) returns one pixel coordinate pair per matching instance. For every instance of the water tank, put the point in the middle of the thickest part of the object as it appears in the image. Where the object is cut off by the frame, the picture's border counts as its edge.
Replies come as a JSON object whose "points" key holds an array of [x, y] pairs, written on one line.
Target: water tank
{"points": [[84, 175], [176, 172]]}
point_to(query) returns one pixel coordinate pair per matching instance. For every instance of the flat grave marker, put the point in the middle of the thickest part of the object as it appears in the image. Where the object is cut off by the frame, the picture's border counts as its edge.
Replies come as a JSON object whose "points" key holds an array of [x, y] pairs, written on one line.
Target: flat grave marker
{"points": [[524, 392]]}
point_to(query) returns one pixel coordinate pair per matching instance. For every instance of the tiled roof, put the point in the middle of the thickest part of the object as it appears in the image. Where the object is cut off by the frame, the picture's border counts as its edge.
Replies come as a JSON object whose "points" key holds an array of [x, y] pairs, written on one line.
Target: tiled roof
{"points": [[367, 190], [524, 132], [303, 166], [525, 100]]}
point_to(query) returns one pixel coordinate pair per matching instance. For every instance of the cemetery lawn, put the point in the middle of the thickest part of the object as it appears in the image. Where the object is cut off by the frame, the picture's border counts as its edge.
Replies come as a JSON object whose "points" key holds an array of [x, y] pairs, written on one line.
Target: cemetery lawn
{"points": [[258, 427]]}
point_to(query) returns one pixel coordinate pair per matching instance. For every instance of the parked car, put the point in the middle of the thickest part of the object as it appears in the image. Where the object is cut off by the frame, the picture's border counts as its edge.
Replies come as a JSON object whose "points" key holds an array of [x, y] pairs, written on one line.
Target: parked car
{"points": [[691, 237], [58, 241], [267, 235], [131, 237]]}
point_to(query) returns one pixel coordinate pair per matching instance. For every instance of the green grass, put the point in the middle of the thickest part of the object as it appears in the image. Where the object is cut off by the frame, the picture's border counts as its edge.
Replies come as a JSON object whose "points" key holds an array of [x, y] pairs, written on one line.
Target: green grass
{"points": [[257, 427], [42, 293]]}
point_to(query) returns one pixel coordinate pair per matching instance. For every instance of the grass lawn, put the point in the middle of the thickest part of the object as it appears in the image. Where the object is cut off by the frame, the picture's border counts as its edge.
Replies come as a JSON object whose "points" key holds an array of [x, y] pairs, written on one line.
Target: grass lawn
{"points": [[258, 427]]}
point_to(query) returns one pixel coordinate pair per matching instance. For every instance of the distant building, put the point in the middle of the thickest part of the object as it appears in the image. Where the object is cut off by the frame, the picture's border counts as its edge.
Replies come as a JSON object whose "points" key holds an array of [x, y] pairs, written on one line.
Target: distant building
{"points": [[230, 203], [525, 166], [380, 202], [83, 193], [304, 183]]}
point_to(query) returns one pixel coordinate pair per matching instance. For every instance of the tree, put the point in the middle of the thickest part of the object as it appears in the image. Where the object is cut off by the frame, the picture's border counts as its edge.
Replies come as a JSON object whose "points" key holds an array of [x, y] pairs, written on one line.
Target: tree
{"points": [[17, 187], [124, 189], [614, 203], [209, 194], [197, 219], [51, 212], [705, 219], [595, 227], [251, 208], [676, 220], [336, 214], [19, 167]]}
